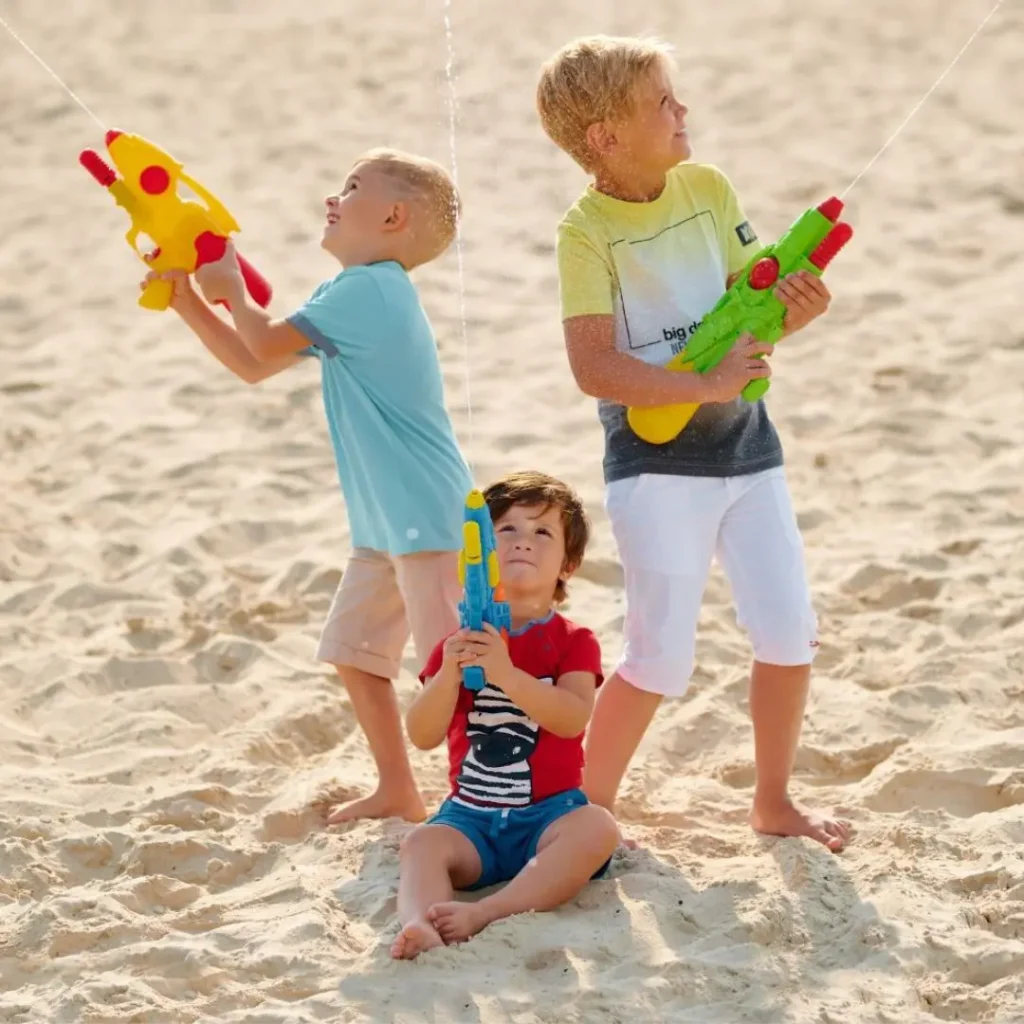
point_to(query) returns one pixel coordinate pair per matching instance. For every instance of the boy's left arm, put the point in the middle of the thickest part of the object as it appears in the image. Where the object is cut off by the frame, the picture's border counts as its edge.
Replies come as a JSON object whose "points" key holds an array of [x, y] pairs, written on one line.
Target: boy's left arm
{"points": [[563, 709], [265, 337]]}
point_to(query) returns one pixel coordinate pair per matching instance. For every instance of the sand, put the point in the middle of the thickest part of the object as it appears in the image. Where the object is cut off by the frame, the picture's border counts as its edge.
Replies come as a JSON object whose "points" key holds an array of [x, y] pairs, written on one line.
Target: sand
{"points": [[170, 539]]}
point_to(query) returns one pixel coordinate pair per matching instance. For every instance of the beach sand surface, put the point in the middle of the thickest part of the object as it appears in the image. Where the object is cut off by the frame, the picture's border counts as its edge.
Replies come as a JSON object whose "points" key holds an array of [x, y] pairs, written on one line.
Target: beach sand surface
{"points": [[170, 538]]}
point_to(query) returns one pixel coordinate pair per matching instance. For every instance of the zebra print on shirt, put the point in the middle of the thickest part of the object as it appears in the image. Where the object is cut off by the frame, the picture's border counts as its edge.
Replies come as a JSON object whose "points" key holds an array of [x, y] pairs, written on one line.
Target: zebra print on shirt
{"points": [[496, 770]]}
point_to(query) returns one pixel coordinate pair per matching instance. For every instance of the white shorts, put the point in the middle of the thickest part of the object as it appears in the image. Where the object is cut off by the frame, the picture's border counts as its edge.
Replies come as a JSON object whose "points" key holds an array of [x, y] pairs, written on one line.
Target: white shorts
{"points": [[668, 528]]}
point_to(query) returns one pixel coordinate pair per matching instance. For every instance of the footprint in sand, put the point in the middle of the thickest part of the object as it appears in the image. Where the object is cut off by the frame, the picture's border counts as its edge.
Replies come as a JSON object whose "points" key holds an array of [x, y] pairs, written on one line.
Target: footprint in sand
{"points": [[962, 792], [886, 588]]}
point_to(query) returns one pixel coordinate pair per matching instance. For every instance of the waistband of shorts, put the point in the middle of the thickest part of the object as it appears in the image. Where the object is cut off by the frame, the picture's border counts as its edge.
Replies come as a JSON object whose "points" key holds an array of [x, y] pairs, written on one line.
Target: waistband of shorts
{"points": [[527, 811], [614, 470]]}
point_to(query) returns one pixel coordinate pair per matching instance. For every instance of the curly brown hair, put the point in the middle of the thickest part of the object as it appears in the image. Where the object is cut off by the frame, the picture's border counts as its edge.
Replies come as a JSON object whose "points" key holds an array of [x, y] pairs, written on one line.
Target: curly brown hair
{"points": [[530, 487]]}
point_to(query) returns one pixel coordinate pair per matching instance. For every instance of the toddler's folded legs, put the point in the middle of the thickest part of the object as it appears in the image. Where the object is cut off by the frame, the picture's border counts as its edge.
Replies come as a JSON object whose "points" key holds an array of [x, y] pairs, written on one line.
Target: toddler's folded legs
{"points": [[434, 858], [570, 850]]}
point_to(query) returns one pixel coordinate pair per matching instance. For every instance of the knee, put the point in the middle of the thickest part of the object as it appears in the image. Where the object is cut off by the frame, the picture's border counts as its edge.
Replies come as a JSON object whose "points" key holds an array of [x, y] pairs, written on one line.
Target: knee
{"points": [[789, 636], [667, 674], [415, 843], [425, 841], [604, 831], [349, 675]]}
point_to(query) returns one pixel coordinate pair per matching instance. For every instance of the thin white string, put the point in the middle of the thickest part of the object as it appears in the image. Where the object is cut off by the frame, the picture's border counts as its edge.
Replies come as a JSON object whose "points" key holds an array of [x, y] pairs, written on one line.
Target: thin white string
{"points": [[46, 67], [923, 99], [452, 127]]}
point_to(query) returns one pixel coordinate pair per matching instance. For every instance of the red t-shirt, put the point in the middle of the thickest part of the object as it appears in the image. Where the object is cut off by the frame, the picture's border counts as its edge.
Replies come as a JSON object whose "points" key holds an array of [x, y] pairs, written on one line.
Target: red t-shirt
{"points": [[497, 756]]}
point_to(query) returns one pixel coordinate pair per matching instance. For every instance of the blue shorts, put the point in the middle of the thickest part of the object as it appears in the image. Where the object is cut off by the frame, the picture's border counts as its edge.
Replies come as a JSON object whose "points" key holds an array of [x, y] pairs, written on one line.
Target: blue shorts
{"points": [[506, 839]]}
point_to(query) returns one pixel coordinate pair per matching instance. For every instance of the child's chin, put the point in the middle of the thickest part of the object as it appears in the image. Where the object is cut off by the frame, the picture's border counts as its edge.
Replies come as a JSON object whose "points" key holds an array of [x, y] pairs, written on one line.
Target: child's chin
{"points": [[519, 578]]}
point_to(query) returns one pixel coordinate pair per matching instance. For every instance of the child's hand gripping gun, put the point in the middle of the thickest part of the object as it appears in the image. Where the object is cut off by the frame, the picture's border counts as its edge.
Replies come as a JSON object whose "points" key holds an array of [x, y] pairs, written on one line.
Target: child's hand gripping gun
{"points": [[187, 235], [483, 597], [748, 307]]}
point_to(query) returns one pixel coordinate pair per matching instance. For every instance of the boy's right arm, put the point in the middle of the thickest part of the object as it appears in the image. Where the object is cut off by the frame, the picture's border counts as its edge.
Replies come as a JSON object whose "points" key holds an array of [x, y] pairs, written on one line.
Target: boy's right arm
{"points": [[601, 371], [430, 714], [220, 338], [223, 341], [587, 296]]}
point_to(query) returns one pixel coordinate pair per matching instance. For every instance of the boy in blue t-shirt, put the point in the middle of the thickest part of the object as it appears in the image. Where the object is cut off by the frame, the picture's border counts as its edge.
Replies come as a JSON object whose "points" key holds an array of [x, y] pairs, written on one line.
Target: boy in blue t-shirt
{"points": [[401, 472]]}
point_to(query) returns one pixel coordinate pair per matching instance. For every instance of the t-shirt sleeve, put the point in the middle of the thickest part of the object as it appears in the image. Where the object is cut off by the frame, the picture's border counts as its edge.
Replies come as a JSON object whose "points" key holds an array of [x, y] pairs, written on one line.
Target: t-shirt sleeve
{"points": [[582, 654], [343, 317], [585, 280], [740, 240], [433, 665]]}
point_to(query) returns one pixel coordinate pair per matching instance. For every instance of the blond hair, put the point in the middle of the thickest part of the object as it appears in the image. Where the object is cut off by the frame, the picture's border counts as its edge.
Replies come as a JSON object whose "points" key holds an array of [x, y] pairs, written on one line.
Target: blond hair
{"points": [[430, 188], [590, 80]]}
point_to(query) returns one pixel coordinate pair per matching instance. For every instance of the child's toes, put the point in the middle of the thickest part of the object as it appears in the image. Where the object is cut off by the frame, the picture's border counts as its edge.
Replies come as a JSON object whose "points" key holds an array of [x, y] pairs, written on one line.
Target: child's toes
{"points": [[830, 836], [444, 917]]}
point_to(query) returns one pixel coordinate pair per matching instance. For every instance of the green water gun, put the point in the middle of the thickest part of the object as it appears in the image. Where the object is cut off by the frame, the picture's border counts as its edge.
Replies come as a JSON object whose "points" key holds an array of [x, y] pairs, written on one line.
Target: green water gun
{"points": [[748, 307]]}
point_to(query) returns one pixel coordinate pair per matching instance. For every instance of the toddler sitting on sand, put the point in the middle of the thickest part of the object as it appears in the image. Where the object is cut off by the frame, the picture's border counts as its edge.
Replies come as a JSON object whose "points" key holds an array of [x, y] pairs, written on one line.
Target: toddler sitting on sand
{"points": [[516, 812]]}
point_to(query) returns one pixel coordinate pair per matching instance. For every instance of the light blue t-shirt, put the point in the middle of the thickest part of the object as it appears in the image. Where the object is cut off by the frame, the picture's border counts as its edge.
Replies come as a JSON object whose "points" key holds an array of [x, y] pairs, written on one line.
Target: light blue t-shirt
{"points": [[402, 474]]}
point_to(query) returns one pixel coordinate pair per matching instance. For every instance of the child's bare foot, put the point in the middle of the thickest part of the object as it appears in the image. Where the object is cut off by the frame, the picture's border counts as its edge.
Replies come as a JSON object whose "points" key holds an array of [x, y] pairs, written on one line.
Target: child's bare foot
{"points": [[381, 804], [414, 938], [786, 819], [457, 922]]}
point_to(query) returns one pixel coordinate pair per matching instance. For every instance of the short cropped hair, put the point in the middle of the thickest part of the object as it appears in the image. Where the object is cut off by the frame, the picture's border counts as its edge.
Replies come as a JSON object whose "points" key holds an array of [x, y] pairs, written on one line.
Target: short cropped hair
{"points": [[430, 187], [590, 80], [530, 488]]}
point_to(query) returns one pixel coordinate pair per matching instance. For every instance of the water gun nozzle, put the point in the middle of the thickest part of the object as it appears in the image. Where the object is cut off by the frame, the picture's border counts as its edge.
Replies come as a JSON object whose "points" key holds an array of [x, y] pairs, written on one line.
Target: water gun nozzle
{"points": [[831, 208], [110, 136]]}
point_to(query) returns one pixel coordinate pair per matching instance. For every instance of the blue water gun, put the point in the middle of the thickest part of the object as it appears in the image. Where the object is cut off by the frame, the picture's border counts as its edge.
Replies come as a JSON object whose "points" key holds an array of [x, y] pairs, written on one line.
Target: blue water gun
{"points": [[483, 597]]}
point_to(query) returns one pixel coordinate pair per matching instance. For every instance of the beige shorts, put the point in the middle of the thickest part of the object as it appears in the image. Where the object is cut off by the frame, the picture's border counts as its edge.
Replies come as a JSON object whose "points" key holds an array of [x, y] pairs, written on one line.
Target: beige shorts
{"points": [[381, 599]]}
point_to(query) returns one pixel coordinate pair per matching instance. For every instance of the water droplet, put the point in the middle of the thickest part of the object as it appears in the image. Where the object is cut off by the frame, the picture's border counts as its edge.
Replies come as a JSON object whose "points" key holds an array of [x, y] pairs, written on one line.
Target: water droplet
{"points": [[412, 533]]}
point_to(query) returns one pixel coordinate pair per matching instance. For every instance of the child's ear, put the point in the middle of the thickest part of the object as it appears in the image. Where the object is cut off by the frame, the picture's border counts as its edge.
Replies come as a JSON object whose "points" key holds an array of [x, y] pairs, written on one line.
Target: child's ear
{"points": [[601, 138], [397, 218], [568, 569]]}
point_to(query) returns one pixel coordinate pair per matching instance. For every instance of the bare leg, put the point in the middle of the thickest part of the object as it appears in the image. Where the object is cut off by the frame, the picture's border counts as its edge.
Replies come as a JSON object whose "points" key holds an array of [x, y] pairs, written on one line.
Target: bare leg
{"points": [[376, 709], [570, 850], [621, 717], [778, 694], [433, 858]]}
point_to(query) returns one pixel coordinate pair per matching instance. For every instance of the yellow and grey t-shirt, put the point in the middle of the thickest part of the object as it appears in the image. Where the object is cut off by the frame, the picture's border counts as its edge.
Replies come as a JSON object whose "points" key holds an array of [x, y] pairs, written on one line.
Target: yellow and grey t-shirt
{"points": [[659, 267]]}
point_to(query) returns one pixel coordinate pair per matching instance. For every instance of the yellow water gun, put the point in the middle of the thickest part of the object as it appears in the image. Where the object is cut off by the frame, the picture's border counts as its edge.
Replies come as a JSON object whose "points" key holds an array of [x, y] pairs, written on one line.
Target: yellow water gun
{"points": [[186, 233]]}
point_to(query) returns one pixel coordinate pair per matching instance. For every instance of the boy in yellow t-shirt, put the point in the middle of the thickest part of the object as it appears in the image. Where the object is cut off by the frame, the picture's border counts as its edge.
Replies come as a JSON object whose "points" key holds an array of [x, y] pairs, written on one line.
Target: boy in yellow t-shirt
{"points": [[643, 255]]}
